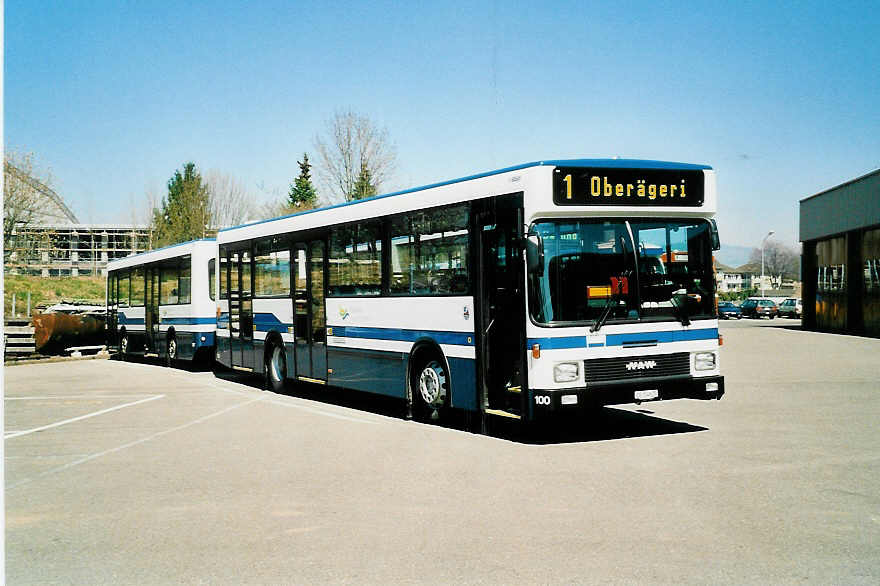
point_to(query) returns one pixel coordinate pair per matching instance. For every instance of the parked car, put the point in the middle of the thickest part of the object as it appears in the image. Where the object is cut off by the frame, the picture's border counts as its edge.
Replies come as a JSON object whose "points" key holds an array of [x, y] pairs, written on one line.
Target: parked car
{"points": [[728, 310], [759, 308], [791, 307]]}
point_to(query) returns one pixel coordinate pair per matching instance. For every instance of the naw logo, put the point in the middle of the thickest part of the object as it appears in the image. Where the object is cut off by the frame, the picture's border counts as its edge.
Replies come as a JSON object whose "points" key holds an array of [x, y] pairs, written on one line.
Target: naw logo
{"points": [[343, 313], [641, 365]]}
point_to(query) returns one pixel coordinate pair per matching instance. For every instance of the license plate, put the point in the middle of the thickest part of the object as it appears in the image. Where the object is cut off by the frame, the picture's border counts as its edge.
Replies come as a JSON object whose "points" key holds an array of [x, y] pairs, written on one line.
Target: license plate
{"points": [[647, 395]]}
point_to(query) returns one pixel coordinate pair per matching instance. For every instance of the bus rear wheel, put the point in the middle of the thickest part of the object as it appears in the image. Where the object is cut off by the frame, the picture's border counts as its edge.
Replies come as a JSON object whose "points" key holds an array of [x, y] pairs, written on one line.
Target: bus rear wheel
{"points": [[430, 390], [276, 369], [171, 351]]}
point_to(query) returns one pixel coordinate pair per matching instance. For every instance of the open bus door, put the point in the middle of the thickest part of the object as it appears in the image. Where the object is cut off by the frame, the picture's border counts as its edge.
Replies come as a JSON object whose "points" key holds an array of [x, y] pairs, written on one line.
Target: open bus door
{"points": [[309, 314], [502, 335], [241, 315]]}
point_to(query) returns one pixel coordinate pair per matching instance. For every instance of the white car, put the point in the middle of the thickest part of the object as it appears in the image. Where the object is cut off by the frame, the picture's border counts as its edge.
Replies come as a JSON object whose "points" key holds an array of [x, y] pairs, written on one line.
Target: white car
{"points": [[791, 307]]}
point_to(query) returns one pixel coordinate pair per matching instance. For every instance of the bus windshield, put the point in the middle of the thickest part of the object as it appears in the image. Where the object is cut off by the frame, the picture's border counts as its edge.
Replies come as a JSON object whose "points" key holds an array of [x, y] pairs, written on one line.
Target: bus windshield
{"points": [[623, 270]]}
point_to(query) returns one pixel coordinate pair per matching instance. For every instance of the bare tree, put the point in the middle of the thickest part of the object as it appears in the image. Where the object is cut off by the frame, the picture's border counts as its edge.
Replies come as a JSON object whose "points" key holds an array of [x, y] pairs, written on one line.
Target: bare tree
{"points": [[229, 202], [275, 209], [23, 198], [779, 259], [353, 143]]}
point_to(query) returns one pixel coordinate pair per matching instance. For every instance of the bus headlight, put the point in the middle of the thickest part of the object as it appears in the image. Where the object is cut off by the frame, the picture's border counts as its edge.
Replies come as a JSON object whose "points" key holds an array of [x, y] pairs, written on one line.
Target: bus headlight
{"points": [[705, 361], [565, 372]]}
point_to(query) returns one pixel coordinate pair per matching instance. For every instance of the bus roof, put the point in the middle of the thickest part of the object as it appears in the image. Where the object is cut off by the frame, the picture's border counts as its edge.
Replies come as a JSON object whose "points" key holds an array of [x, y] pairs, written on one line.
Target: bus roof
{"points": [[156, 254], [601, 163]]}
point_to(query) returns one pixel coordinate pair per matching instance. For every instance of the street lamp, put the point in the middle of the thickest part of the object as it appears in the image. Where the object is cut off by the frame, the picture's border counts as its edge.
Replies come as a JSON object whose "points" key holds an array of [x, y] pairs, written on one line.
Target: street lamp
{"points": [[763, 242]]}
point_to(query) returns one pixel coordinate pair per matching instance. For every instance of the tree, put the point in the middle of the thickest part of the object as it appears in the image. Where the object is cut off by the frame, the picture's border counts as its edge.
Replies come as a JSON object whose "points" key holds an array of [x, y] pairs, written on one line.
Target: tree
{"points": [[779, 260], [185, 213], [364, 186], [354, 146], [229, 202], [302, 194], [24, 196]]}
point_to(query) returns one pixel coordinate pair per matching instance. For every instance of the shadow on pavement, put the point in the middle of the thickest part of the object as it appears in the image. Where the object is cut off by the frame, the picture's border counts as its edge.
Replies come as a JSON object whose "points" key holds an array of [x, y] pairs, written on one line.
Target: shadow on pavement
{"points": [[603, 425], [201, 363], [378, 404]]}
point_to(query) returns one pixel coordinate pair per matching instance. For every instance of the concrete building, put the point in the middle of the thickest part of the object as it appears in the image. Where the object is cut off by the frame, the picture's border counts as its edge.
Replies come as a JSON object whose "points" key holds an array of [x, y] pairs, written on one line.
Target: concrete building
{"points": [[54, 243], [840, 233], [70, 249], [729, 282]]}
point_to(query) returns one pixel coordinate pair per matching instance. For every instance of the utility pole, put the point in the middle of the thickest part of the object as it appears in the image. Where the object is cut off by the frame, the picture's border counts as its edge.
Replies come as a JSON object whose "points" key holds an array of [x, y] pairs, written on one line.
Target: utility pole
{"points": [[763, 242]]}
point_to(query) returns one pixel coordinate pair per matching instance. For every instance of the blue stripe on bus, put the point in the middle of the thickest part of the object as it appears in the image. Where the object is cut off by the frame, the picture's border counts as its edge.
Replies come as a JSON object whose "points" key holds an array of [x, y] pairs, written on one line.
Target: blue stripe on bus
{"points": [[188, 321], [123, 319], [268, 319], [397, 335], [569, 342], [263, 322], [266, 322]]}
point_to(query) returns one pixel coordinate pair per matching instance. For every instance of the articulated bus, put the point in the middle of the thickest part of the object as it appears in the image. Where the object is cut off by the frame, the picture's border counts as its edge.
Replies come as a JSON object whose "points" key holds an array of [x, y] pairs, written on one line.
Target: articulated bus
{"points": [[161, 303], [544, 288]]}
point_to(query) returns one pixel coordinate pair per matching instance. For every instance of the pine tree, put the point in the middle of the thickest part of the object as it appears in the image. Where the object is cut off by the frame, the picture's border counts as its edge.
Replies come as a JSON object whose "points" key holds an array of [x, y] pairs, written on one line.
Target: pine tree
{"points": [[302, 195], [364, 186], [185, 213]]}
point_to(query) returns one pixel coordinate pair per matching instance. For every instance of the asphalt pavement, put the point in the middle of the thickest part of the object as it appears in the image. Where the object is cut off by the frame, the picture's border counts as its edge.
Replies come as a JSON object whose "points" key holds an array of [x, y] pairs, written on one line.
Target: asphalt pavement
{"points": [[131, 473]]}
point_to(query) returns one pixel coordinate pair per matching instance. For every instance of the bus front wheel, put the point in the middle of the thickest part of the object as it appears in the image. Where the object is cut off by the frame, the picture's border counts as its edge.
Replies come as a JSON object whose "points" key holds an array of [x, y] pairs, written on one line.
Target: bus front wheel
{"points": [[430, 390]]}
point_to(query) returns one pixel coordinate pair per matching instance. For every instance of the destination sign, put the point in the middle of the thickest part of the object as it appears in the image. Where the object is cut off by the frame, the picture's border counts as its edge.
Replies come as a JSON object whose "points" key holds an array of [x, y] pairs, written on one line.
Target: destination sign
{"points": [[578, 186]]}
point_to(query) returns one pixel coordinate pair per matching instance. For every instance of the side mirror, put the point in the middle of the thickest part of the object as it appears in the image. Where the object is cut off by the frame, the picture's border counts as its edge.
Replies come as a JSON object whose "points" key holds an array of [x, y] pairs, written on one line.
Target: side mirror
{"points": [[716, 240], [535, 254]]}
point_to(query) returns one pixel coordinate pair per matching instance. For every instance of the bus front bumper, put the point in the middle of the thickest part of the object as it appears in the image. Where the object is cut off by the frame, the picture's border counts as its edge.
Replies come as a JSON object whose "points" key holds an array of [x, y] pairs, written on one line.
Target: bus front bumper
{"points": [[548, 402]]}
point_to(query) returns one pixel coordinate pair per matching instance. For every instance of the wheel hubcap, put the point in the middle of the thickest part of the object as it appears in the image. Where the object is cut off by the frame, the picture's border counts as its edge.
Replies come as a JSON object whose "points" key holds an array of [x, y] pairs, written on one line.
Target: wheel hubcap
{"points": [[431, 385]]}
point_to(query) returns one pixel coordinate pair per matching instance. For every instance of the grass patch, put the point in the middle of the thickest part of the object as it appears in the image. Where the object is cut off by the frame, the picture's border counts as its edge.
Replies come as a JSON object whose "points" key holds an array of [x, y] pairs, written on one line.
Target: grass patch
{"points": [[48, 290]]}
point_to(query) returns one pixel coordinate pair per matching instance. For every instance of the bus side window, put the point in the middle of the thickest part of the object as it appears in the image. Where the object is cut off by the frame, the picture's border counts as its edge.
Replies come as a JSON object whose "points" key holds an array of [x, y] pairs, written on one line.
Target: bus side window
{"points": [[429, 252]]}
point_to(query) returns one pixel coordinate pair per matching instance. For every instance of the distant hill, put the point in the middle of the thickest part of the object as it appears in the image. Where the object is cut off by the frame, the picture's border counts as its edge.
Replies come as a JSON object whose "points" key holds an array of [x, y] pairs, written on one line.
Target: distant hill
{"points": [[733, 256]]}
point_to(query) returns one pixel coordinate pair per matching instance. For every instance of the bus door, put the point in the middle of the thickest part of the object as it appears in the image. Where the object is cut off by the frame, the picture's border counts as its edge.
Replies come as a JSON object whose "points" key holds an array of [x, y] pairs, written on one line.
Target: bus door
{"points": [[151, 310], [309, 318], [112, 327], [502, 302], [241, 313]]}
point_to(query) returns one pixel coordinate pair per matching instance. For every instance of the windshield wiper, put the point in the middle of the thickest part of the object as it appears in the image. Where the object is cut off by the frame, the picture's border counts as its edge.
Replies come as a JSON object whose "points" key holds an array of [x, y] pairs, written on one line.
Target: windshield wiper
{"points": [[606, 311]]}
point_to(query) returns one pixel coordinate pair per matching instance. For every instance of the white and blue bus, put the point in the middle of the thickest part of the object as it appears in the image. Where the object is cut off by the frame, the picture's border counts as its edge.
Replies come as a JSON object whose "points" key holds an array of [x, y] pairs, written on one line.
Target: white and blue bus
{"points": [[544, 288], [161, 303]]}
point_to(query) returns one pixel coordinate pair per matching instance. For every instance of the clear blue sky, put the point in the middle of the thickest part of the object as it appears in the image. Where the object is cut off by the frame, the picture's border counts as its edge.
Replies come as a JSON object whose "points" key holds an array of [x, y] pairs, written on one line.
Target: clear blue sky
{"points": [[782, 99]]}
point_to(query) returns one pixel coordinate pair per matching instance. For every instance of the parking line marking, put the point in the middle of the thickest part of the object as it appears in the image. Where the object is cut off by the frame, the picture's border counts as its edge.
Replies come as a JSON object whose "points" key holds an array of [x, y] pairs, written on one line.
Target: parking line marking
{"points": [[80, 418], [158, 434], [39, 397]]}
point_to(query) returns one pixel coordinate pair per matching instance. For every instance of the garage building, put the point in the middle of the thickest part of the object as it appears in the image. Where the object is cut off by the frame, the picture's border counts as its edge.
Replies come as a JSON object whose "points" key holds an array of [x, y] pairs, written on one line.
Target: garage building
{"points": [[840, 234]]}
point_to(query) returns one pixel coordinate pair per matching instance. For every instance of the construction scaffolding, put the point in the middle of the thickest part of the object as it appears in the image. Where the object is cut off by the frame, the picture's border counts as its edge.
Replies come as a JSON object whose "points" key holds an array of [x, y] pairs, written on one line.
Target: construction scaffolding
{"points": [[59, 250]]}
